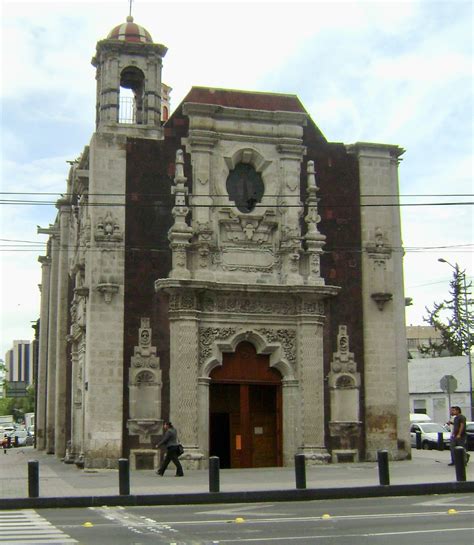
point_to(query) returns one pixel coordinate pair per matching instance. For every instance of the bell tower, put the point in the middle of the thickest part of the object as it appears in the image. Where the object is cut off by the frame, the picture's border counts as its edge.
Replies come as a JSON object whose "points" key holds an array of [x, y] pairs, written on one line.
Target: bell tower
{"points": [[128, 72]]}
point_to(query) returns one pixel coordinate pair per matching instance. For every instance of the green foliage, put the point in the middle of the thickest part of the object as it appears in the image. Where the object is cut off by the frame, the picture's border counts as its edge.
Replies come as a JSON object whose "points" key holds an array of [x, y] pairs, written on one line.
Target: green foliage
{"points": [[18, 406], [453, 318]]}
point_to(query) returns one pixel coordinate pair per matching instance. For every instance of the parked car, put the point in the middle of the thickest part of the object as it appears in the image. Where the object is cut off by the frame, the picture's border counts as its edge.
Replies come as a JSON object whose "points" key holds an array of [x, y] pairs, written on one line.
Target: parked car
{"points": [[429, 434], [470, 435], [419, 417], [24, 439]]}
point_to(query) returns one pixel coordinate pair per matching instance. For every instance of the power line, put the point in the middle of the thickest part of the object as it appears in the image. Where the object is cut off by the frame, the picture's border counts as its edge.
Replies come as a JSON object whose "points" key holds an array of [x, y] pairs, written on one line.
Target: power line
{"points": [[322, 195], [273, 206], [35, 246]]}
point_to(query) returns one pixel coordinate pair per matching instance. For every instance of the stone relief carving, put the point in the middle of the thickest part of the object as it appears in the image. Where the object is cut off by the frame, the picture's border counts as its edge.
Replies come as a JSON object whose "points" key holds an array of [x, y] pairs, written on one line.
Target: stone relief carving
{"points": [[108, 229], [247, 229], [343, 360], [380, 251], [287, 338], [207, 336], [185, 300], [247, 304]]}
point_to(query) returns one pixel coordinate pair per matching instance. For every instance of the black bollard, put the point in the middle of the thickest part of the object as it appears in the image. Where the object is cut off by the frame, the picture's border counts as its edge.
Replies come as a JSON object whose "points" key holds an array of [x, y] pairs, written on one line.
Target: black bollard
{"points": [[214, 466], [440, 441], [384, 475], [33, 479], [124, 477], [300, 470], [460, 463], [418, 440]]}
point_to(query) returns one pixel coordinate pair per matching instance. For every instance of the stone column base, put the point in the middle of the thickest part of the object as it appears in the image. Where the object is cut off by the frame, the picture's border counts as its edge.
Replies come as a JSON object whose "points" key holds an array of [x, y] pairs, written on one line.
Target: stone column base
{"points": [[193, 458], [144, 459], [345, 456], [315, 456]]}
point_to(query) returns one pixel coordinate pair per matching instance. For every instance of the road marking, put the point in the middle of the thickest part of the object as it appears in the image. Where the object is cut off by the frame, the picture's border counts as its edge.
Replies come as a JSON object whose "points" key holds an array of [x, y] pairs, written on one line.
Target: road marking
{"points": [[26, 527], [339, 536], [137, 524], [321, 518], [245, 509], [451, 500]]}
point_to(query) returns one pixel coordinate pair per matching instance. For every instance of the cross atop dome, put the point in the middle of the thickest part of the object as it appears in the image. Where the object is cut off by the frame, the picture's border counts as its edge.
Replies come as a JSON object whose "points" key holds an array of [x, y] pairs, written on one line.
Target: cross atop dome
{"points": [[130, 32]]}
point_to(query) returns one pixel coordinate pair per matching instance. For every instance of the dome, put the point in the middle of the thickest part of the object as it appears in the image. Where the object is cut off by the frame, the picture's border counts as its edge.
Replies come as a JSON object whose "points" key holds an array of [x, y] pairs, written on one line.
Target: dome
{"points": [[130, 32]]}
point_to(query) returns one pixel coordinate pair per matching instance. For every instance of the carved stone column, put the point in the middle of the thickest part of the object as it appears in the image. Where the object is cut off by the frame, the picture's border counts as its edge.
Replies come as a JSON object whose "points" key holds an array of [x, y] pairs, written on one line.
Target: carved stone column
{"points": [[61, 330], [184, 374], [41, 378], [311, 377], [291, 426], [52, 332], [203, 416]]}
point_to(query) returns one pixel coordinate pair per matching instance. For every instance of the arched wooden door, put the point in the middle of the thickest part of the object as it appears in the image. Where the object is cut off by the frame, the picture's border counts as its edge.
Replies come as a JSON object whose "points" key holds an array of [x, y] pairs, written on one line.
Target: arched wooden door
{"points": [[245, 410]]}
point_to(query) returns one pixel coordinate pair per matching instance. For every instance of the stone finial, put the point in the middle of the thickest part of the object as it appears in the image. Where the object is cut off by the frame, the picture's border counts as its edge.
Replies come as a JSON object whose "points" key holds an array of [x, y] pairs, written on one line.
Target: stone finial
{"points": [[180, 232], [312, 217]]}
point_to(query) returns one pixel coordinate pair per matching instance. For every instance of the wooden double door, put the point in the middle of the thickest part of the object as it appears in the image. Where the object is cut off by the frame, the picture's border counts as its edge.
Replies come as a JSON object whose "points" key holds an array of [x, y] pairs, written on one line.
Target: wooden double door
{"points": [[245, 411]]}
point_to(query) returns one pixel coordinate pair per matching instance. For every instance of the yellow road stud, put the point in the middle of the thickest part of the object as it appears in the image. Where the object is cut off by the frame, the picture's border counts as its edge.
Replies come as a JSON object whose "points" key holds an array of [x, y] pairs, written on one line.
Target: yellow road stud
{"points": [[87, 525], [239, 520], [326, 516], [452, 512]]}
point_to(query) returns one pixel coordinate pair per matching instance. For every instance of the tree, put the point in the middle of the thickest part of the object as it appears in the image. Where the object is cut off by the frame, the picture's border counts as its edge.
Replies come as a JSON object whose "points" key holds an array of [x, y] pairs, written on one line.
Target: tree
{"points": [[453, 318]]}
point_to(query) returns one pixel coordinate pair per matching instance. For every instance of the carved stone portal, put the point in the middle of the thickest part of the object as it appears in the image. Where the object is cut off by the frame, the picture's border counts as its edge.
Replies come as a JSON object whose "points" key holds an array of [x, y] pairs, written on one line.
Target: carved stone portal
{"points": [[145, 387]]}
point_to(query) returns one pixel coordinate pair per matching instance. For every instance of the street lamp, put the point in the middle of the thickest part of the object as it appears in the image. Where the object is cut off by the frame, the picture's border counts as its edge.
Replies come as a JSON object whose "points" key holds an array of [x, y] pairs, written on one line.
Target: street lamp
{"points": [[469, 358]]}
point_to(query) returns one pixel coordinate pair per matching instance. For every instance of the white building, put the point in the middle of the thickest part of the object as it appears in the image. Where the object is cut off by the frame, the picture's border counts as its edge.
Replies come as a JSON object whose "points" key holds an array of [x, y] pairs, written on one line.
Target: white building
{"points": [[426, 394]]}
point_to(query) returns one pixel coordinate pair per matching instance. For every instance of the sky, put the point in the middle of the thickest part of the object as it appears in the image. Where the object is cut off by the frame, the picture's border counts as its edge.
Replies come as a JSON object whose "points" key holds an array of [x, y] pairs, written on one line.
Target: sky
{"points": [[371, 71]]}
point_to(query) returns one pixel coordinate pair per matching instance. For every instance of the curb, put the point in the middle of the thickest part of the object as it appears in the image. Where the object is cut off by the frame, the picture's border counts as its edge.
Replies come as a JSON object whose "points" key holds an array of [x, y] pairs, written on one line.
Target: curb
{"points": [[240, 497]]}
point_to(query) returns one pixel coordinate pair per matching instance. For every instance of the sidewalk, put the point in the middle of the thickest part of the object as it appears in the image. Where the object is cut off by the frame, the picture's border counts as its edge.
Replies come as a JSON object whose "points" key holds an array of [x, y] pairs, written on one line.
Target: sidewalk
{"points": [[64, 480]]}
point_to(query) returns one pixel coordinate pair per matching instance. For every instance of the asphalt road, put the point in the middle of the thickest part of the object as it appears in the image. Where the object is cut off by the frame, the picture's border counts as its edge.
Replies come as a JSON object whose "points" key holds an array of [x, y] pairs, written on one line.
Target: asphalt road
{"points": [[414, 520]]}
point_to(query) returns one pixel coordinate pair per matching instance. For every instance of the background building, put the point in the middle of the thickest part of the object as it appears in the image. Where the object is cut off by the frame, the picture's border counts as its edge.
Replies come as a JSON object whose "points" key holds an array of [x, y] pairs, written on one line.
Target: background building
{"points": [[225, 270], [426, 393], [420, 336], [19, 363]]}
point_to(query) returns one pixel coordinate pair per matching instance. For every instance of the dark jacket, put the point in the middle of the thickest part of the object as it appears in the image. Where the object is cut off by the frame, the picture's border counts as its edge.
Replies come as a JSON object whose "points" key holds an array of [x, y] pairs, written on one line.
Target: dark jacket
{"points": [[169, 439]]}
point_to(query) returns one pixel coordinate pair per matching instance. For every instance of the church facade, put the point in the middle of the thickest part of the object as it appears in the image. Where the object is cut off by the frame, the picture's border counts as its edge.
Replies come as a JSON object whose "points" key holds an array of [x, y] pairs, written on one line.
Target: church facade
{"points": [[225, 269]]}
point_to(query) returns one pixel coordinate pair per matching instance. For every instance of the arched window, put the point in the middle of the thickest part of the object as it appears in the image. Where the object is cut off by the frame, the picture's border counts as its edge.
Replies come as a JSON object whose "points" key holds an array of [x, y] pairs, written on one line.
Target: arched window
{"points": [[132, 92], [245, 187]]}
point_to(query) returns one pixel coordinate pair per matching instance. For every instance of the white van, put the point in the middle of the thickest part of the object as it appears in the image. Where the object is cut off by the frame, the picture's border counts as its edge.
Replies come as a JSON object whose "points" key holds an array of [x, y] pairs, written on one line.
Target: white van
{"points": [[415, 417]]}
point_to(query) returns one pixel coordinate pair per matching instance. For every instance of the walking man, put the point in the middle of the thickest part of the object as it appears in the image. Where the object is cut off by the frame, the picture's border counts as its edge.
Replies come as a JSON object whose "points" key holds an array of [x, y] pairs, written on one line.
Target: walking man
{"points": [[458, 433], [170, 441]]}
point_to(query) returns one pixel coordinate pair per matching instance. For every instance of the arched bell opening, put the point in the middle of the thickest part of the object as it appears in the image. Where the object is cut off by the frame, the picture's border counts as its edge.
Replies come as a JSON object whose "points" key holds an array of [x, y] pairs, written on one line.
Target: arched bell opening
{"points": [[245, 405], [132, 94]]}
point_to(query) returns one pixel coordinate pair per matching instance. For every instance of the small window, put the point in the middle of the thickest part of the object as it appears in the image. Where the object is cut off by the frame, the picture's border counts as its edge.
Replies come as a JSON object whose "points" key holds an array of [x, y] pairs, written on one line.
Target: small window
{"points": [[245, 187]]}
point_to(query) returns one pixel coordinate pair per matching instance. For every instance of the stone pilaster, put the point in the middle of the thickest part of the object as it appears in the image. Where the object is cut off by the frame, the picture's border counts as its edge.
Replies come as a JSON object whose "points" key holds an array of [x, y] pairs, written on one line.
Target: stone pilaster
{"points": [[41, 379], [201, 147], [52, 342], [60, 411], [290, 163], [311, 378], [383, 302], [292, 436], [184, 374]]}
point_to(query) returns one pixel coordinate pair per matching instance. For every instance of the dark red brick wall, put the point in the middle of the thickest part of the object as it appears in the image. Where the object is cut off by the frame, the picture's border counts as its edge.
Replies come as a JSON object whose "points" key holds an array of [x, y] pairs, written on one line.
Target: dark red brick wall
{"points": [[337, 177], [150, 173]]}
